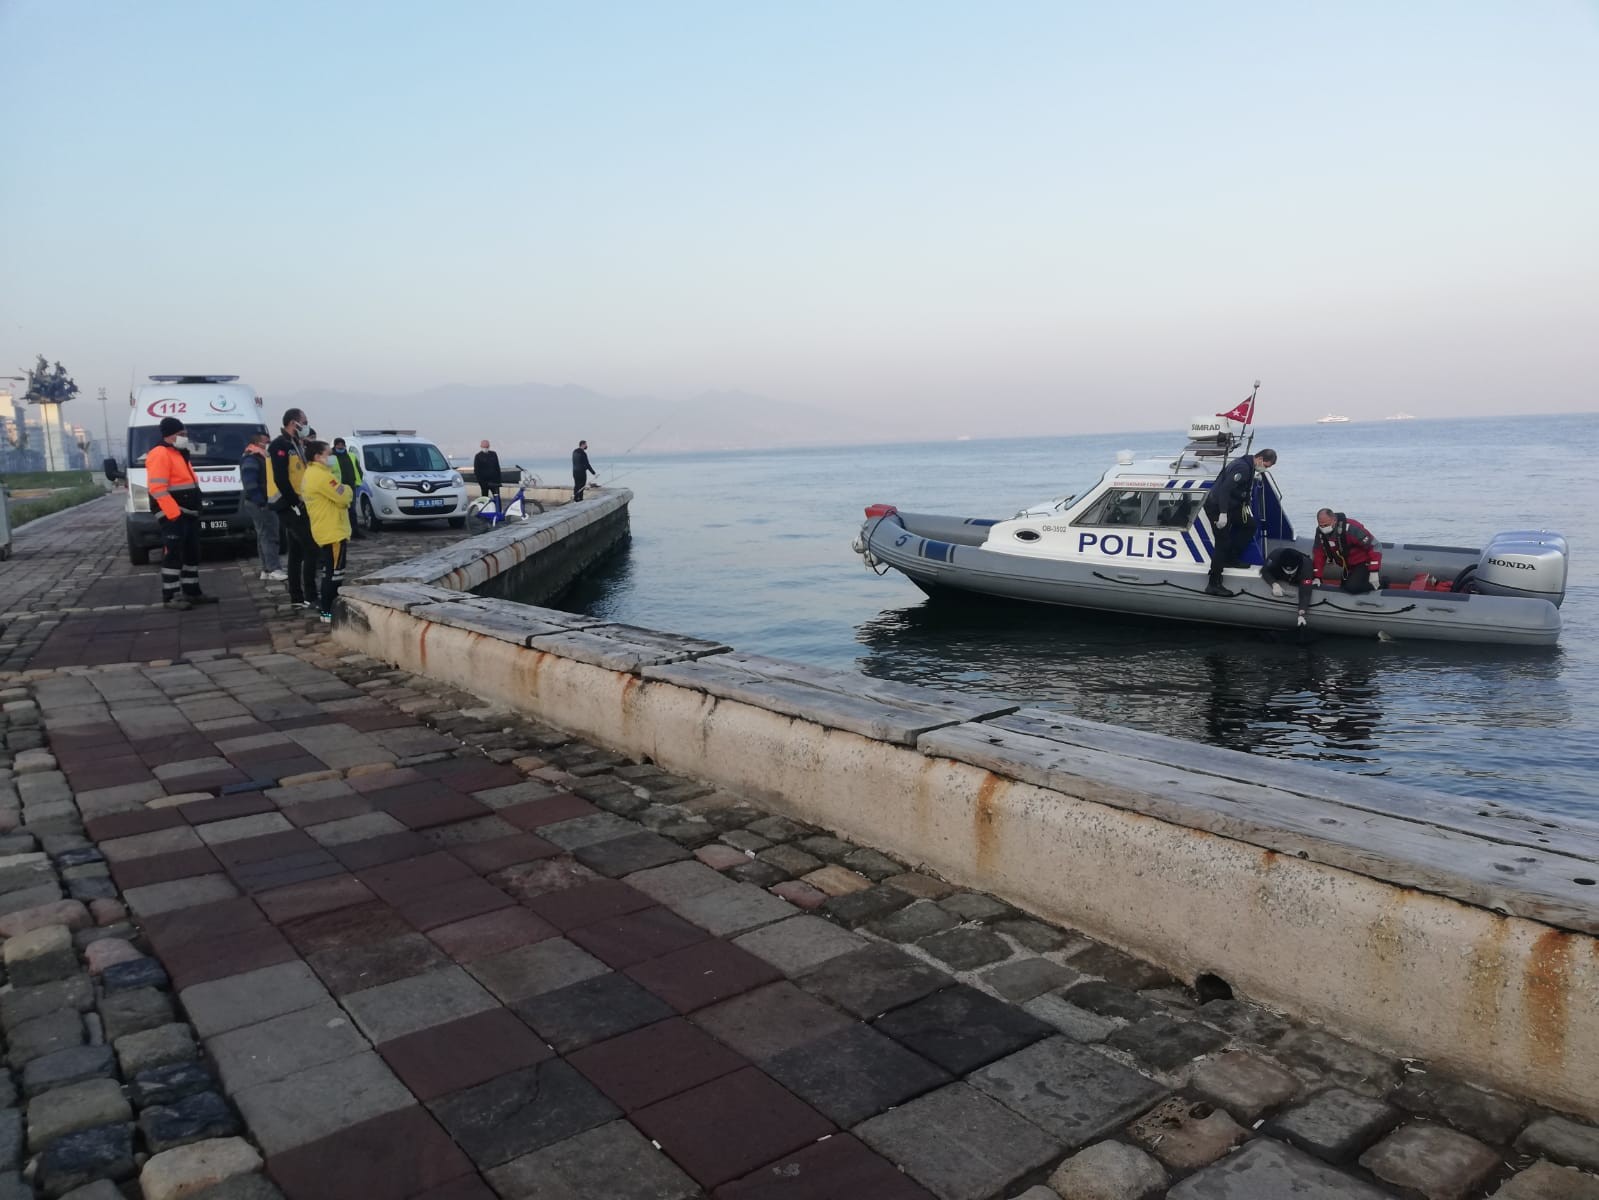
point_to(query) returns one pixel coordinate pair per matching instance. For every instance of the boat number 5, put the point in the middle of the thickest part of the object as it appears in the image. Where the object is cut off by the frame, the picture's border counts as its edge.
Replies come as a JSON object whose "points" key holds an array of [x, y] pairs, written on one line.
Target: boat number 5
{"points": [[902, 539]]}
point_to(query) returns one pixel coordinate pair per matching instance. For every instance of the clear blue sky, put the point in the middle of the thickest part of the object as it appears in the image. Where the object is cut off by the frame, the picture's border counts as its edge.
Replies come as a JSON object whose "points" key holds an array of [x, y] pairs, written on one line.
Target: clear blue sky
{"points": [[953, 211]]}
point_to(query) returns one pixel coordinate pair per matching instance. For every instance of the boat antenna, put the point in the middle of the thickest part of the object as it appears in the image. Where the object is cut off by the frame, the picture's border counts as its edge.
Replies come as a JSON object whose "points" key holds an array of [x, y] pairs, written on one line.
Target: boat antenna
{"points": [[1249, 425]]}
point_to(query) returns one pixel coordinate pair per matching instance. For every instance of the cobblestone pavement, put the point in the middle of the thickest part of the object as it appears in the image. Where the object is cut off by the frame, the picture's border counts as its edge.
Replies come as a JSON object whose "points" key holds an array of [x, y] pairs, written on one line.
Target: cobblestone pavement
{"points": [[282, 921]]}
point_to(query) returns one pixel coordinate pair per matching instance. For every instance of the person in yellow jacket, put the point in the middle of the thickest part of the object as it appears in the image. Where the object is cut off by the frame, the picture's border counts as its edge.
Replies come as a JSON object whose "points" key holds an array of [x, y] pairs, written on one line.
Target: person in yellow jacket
{"points": [[175, 493], [327, 504]]}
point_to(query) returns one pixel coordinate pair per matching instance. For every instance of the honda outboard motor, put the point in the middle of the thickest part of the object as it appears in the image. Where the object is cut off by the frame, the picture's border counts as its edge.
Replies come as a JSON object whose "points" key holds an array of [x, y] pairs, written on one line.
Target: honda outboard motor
{"points": [[1529, 563]]}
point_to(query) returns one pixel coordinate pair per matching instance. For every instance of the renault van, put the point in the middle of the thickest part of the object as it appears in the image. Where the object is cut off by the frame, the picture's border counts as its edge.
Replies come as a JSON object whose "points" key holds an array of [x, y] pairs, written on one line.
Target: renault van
{"points": [[405, 478], [219, 415]]}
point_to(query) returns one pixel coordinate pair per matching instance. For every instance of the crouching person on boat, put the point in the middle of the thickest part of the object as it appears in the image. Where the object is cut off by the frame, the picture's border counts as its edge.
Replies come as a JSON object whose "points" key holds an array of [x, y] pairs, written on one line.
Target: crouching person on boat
{"points": [[1227, 506], [1349, 544], [1285, 565]]}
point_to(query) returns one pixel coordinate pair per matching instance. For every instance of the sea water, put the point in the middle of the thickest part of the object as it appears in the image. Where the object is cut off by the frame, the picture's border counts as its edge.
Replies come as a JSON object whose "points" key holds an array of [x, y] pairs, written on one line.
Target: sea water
{"points": [[753, 549]]}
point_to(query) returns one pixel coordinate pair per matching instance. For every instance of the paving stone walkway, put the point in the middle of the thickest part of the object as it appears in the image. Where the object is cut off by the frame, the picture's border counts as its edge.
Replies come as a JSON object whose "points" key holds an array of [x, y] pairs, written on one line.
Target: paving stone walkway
{"points": [[282, 921]]}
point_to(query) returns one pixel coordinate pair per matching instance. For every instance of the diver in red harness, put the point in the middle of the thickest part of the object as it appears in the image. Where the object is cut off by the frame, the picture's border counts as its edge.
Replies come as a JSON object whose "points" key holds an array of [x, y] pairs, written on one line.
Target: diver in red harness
{"points": [[1349, 544]]}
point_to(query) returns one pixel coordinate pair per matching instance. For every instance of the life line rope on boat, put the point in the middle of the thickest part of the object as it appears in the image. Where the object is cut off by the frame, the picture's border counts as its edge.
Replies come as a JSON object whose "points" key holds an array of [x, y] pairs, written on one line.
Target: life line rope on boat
{"points": [[864, 548], [1316, 603]]}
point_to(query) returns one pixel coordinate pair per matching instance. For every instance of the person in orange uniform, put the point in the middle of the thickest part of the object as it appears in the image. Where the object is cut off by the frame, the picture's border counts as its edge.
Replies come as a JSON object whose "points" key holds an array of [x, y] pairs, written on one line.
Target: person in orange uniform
{"points": [[175, 493]]}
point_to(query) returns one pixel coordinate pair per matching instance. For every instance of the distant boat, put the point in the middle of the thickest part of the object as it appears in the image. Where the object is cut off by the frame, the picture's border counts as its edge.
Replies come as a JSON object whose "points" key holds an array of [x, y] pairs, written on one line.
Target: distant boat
{"points": [[1332, 419], [1401, 416]]}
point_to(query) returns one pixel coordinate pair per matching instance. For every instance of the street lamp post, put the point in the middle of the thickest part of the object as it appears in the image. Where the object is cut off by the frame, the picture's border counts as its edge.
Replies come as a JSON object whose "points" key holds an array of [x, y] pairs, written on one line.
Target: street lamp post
{"points": [[105, 420]]}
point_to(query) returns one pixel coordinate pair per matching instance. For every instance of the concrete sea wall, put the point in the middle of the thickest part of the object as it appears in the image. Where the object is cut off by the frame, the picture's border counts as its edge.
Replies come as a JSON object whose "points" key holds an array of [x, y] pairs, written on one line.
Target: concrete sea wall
{"points": [[1459, 933]]}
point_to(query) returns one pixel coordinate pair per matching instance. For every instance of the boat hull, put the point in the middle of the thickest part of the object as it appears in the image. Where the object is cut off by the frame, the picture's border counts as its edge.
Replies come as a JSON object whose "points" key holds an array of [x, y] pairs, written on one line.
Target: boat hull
{"points": [[946, 553]]}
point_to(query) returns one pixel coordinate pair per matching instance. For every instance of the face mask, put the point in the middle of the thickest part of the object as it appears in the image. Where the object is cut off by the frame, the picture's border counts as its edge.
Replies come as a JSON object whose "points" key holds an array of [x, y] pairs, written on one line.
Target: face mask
{"points": [[1325, 528], [181, 442]]}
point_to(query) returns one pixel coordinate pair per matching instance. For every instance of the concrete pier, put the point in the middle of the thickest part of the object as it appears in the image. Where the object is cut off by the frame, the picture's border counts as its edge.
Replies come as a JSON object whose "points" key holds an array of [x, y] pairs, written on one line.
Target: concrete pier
{"points": [[1431, 928], [280, 918]]}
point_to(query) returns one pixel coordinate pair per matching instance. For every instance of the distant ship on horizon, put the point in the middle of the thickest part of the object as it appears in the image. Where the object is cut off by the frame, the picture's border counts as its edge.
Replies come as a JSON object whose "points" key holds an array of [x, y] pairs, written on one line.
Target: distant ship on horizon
{"points": [[1401, 416], [1332, 419]]}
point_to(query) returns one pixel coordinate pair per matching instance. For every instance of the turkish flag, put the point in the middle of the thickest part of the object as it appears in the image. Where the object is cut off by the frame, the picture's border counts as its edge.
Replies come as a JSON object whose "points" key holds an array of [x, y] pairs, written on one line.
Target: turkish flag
{"points": [[1244, 413]]}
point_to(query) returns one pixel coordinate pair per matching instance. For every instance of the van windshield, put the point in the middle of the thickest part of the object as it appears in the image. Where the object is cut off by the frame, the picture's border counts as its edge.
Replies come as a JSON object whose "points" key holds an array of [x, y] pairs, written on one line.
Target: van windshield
{"points": [[404, 456], [209, 445]]}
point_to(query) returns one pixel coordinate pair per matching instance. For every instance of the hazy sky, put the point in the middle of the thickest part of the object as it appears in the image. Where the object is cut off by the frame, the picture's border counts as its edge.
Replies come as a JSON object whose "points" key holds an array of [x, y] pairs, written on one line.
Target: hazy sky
{"points": [[954, 211]]}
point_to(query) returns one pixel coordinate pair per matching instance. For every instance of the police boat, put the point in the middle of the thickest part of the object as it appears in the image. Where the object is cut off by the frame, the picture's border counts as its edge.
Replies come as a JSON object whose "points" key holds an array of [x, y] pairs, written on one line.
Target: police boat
{"points": [[1139, 543]]}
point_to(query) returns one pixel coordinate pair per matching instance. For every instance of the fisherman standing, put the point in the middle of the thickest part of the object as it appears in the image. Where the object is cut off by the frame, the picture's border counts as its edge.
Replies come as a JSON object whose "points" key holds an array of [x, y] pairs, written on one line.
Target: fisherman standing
{"points": [[581, 470], [1349, 544], [175, 493], [1227, 506]]}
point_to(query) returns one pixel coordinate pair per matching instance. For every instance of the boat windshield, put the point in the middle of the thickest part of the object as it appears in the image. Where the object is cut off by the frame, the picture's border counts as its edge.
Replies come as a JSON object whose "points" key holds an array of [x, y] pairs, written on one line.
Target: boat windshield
{"points": [[1144, 507]]}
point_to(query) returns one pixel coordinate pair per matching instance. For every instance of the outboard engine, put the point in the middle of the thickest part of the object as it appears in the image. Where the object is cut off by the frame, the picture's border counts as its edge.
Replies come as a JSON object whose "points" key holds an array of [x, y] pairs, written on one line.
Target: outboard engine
{"points": [[1529, 563]]}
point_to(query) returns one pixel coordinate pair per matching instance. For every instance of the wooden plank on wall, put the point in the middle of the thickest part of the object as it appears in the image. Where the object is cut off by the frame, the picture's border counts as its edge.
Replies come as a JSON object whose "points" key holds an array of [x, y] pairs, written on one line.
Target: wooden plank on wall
{"points": [[1540, 886]]}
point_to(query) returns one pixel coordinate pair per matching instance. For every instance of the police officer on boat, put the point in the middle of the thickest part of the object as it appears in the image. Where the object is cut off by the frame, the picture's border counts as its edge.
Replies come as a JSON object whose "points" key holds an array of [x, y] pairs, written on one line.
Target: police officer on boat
{"points": [[1227, 506]]}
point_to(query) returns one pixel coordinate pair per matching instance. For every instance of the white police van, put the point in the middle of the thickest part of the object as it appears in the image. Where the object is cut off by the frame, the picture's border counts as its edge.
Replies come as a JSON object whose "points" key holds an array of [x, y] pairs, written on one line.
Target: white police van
{"points": [[219, 415], [406, 479]]}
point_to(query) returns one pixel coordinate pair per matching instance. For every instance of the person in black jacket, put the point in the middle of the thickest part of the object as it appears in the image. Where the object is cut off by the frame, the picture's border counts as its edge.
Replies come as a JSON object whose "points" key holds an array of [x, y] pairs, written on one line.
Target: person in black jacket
{"points": [[1288, 565], [486, 470], [286, 458], [253, 478], [1227, 506], [581, 470]]}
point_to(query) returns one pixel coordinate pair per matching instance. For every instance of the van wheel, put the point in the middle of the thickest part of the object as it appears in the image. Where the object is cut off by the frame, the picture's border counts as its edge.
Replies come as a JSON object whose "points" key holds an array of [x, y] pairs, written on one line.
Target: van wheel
{"points": [[456, 522], [368, 517], [138, 555]]}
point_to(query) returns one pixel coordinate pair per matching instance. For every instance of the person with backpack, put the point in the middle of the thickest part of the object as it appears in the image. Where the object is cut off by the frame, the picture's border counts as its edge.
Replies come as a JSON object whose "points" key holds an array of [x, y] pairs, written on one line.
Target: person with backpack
{"points": [[253, 477]]}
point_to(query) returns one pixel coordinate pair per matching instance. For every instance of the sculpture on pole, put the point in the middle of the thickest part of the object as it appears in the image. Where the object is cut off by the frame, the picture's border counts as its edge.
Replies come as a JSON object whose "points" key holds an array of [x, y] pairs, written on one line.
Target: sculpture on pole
{"points": [[50, 388]]}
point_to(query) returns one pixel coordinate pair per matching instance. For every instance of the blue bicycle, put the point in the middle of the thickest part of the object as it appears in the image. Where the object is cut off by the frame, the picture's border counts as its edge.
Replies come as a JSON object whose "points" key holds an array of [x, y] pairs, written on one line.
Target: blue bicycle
{"points": [[495, 510]]}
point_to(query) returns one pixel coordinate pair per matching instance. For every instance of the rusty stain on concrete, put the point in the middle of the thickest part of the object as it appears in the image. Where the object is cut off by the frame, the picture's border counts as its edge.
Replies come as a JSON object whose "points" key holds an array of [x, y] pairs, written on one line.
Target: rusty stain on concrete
{"points": [[985, 816], [1547, 990], [1486, 976]]}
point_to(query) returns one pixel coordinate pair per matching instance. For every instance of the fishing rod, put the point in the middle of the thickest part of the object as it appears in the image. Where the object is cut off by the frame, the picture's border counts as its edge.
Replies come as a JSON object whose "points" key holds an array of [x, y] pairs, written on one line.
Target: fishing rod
{"points": [[652, 432]]}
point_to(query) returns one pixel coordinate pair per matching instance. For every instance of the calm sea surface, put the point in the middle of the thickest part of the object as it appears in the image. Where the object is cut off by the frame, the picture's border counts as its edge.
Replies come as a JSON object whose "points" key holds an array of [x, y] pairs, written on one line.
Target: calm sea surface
{"points": [[754, 549]]}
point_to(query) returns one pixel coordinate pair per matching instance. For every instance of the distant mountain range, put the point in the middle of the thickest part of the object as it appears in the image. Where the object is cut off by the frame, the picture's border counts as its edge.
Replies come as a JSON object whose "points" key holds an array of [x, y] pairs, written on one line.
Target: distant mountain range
{"points": [[540, 420]]}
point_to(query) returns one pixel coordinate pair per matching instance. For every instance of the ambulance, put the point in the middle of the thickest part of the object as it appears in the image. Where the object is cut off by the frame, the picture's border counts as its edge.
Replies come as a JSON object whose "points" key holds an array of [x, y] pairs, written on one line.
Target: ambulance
{"points": [[219, 415]]}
